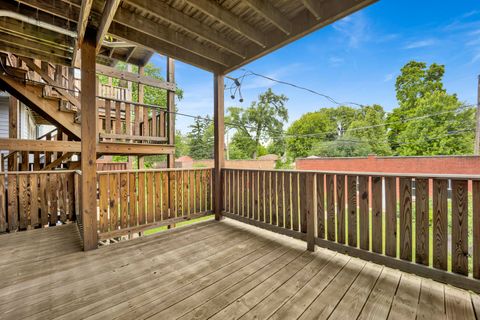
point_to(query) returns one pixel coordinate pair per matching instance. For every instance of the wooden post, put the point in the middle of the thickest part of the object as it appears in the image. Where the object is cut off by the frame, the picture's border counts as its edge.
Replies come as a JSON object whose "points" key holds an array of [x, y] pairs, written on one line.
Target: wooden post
{"points": [[171, 110], [12, 129], [311, 207], [219, 145], [89, 142], [477, 130]]}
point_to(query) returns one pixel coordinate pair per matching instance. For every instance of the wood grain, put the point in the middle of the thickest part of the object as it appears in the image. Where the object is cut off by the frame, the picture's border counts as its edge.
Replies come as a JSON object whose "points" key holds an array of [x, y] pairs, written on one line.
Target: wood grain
{"points": [[406, 219], [391, 216], [377, 213], [460, 226]]}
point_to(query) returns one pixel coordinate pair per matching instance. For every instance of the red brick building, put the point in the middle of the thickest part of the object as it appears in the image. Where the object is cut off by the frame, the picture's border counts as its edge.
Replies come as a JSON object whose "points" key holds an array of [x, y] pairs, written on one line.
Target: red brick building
{"points": [[426, 164]]}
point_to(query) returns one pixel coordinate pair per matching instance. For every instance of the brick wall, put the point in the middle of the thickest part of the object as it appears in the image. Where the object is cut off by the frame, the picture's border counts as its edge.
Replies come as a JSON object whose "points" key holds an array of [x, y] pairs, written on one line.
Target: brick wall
{"points": [[240, 164], [433, 164]]}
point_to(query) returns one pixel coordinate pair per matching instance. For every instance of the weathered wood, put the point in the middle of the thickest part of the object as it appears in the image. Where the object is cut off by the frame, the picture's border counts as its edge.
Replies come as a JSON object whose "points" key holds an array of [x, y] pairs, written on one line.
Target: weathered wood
{"points": [[311, 209], [364, 212], [422, 243], [476, 227], [330, 191], [149, 189], [460, 226], [23, 201], [391, 216], [158, 194], [53, 199], [352, 210], [89, 135], [295, 210], [406, 219], [142, 219], [103, 187], [165, 195], [113, 200], [377, 213], [123, 181], [341, 210], [219, 142], [268, 196], [288, 196], [280, 199], [303, 209]]}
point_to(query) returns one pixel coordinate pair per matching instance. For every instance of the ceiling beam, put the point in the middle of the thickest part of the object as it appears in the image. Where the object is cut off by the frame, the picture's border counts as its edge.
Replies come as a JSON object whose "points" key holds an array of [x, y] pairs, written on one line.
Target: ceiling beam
{"points": [[315, 7], [81, 26], [234, 22], [107, 18], [272, 14], [303, 24], [33, 44], [32, 53], [142, 39], [165, 12], [35, 33], [149, 27]]}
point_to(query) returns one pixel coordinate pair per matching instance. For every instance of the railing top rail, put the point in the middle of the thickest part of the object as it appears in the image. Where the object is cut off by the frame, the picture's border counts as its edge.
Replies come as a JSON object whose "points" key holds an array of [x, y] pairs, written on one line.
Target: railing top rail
{"points": [[378, 174], [133, 103], [154, 170], [38, 171]]}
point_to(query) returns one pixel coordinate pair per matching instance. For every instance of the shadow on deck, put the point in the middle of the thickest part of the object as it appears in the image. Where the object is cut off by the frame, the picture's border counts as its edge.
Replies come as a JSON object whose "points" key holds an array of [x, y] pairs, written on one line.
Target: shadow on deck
{"points": [[213, 270]]}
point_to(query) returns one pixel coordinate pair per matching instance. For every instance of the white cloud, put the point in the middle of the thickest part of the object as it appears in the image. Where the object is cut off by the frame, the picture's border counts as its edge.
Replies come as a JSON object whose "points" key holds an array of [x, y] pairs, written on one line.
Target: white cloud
{"points": [[336, 61], [420, 44], [354, 28], [389, 77]]}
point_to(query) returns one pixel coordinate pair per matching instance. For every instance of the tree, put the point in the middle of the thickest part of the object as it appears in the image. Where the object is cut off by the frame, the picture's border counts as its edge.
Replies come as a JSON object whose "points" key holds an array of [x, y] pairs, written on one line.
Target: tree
{"points": [[369, 125], [326, 124], [415, 81], [428, 120], [256, 125], [342, 147], [181, 144], [201, 138], [449, 132]]}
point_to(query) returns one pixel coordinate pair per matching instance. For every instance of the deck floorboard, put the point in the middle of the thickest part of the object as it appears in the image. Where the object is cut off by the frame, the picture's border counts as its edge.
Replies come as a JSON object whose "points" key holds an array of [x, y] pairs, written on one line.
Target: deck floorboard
{"points": [[210, 270]]}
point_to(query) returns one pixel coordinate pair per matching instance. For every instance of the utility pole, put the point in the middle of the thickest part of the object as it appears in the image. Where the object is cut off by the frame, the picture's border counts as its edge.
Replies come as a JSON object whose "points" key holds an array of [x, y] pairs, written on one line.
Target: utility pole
{"points": [[477, 128]]}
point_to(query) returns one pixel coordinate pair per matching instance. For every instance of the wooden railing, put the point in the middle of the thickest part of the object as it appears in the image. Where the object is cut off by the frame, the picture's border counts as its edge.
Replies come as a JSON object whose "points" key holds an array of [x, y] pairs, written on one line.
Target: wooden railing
{"points": [[131, 122], [114, 92], [133, 201], [36, 199], [422, 224]]}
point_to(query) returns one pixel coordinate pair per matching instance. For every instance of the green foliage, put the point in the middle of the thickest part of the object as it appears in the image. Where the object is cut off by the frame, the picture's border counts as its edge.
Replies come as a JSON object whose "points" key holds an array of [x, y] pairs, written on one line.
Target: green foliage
{"points": [[200, 139], [448, 133], [420, 93], [375, 136], [181, 144], [256, 125], [326, 124], [342, 147]]}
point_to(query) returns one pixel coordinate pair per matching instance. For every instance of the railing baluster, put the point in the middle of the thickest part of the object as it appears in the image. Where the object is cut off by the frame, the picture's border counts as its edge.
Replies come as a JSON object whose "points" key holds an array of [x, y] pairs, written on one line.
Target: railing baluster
{"points": [[132, 200], [341, 208], [476, 227], [377, 212], [364, 209], [460, 226], [288, 196], [422, 243], [303, 204], [406, 219], [280, 203], [352, 210], [295, 209], [391, 216], [330, 207], [123, 200]]}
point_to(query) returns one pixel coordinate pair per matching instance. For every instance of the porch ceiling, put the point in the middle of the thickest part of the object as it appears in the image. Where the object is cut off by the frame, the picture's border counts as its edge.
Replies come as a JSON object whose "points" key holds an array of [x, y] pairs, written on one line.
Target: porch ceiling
{"points": [[218, 36]]}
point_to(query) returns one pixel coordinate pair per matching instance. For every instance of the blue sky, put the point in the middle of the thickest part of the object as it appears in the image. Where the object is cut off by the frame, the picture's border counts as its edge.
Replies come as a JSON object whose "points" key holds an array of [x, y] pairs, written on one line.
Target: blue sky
{"points": [[356, 59]]}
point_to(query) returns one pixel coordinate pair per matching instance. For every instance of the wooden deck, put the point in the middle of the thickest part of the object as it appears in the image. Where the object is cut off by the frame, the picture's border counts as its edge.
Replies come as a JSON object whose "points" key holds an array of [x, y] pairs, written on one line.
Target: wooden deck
{"points": [[224, 270]]}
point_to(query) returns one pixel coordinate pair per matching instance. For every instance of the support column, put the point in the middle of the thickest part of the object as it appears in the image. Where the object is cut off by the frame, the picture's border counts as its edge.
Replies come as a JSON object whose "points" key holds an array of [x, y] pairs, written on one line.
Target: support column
{"points": [[477, 130], [171, 109], [219, 145], [89, 141], [141, 98]]}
